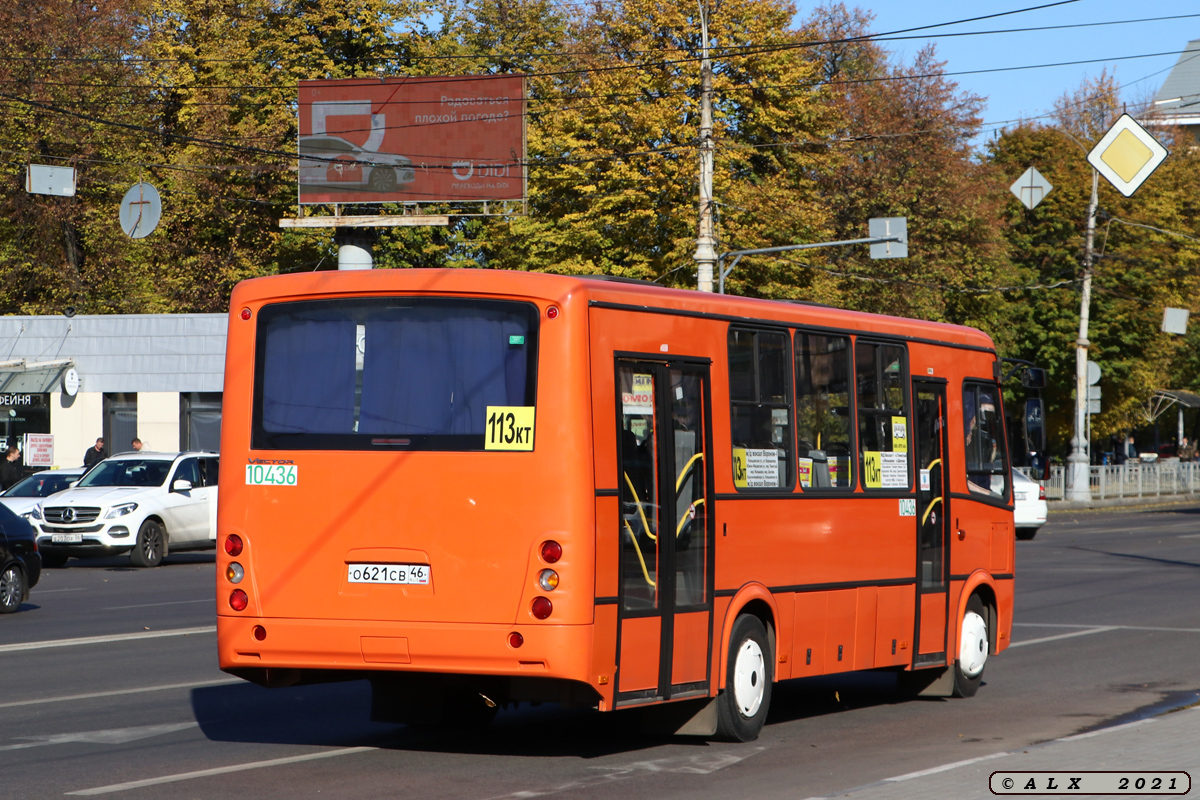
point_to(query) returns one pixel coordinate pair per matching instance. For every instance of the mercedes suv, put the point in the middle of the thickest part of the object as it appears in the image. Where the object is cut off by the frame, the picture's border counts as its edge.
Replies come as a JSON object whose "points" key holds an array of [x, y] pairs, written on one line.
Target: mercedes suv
{"points": [[143, 504]]}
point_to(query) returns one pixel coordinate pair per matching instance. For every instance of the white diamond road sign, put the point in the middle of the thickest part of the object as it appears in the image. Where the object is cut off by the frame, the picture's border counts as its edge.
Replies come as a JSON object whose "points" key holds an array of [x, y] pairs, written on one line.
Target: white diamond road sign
{"points": [[1031, 188], [1127, 155]]}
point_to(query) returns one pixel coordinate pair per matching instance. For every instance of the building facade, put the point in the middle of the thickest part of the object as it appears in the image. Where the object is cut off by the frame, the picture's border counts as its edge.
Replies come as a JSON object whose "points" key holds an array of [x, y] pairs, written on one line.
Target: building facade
{"points": [[157, 377]]}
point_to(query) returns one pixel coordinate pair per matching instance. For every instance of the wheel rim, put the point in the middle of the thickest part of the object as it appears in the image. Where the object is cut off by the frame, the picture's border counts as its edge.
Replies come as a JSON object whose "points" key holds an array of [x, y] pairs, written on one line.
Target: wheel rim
{"points": [[151, 545], [749, 673], [973, 646], [10, 588]]}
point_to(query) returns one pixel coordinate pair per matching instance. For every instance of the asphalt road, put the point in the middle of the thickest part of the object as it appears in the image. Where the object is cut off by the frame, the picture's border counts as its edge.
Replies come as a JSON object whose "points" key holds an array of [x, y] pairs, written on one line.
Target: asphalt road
{"points": [[111, 689]]}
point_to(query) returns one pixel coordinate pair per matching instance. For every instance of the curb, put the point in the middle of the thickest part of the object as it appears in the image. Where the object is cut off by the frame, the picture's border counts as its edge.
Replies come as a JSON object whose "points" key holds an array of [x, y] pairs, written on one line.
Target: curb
{"points": [[1135, 503]]}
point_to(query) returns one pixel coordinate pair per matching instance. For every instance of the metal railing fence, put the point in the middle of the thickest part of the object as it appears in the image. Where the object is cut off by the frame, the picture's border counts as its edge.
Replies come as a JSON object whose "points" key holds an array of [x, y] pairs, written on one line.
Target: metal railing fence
{"points": [[1132, 479]]}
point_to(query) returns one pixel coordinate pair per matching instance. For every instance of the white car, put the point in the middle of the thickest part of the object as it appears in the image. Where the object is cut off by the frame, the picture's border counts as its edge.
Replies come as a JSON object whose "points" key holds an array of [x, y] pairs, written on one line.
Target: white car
{"points": [[1029, 506], [144, 504], [331, 161], [24, 495]]}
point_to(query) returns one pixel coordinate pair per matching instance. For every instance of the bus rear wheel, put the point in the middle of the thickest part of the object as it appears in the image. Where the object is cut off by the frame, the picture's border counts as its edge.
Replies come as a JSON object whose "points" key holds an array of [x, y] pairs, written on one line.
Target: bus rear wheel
{"points": [[972, 649], [742, 705]]}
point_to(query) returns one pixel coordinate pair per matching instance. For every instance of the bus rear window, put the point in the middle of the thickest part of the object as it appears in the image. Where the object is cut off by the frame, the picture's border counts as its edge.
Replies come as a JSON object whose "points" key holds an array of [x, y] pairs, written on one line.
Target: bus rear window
{"points": [[372, 373]]}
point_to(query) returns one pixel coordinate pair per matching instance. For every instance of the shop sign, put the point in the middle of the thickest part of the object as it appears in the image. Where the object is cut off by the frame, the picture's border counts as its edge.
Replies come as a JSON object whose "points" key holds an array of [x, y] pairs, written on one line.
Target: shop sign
{"points": [[39, 449]]}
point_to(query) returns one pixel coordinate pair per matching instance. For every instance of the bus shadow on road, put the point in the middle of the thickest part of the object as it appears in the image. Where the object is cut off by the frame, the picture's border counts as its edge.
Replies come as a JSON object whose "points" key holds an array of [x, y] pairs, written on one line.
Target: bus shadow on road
{"points": [[805, 698], [338, 715]]}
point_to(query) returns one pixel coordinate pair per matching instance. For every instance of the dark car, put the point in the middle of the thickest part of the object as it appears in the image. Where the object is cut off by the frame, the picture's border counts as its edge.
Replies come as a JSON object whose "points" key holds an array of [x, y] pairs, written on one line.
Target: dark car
{"points": [[20, 564]]}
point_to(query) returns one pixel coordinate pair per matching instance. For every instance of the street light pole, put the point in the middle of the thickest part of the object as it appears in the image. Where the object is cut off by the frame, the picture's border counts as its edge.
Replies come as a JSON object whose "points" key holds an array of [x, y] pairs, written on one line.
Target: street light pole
{"points": [[706, 249], [1079, 470]]}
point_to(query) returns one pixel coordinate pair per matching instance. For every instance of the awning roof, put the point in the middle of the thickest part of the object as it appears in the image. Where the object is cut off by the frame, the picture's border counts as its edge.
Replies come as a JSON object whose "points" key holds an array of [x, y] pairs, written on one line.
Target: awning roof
{"points": [[18, 376]]}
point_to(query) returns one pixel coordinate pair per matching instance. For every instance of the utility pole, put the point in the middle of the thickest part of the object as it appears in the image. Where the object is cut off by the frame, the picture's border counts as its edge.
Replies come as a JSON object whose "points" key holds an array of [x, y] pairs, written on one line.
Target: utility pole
{"points": [[1079, 484], [706, 250]]}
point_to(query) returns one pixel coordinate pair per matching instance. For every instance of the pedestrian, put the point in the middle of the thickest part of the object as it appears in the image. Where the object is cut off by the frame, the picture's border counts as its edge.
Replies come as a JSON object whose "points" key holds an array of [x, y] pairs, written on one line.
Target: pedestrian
{"points": [[1131, 451], [136, 444], [95, 454], [10, 467]]}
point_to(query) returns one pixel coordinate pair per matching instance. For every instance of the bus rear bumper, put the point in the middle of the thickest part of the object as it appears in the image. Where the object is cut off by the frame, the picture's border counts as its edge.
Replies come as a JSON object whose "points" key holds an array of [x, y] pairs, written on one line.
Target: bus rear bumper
{"points": [[550, 651]]}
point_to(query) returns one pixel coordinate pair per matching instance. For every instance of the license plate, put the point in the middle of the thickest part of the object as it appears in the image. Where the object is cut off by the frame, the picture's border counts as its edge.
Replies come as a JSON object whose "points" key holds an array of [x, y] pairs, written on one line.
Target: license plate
{"points": [[1021, 496], [66, 538], [388, 573]]}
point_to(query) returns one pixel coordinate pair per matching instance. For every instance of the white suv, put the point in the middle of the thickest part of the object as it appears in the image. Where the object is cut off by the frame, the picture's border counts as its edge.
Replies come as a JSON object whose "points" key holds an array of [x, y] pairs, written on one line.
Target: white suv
{"points": [[144, 504]]}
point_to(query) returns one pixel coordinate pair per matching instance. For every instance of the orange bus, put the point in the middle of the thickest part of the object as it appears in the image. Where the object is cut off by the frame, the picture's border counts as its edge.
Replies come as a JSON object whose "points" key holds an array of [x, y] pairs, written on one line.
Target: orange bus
{"points": [[478, 487]]}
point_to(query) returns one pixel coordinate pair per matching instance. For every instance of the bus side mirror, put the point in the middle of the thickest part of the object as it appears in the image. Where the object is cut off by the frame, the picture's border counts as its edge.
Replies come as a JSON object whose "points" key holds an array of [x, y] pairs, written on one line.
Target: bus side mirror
{"points": [[1034, 423], [1033, 378]]}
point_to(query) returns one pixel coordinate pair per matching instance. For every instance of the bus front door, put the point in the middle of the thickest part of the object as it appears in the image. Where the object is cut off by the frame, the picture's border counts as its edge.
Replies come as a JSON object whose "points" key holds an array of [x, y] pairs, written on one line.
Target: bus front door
{"points": [[665, 479], [932, 520]]}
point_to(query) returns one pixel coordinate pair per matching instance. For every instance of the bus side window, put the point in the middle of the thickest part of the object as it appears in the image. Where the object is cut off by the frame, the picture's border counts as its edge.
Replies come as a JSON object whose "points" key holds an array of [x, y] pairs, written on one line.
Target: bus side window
{"points": [[881, 374], [760, 408], [824, 428], [983, 436]]}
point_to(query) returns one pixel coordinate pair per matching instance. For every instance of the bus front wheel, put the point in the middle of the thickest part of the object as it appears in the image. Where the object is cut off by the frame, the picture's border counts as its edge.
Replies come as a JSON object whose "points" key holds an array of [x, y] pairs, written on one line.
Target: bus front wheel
{"points": [[742, 705], [972, 649]]}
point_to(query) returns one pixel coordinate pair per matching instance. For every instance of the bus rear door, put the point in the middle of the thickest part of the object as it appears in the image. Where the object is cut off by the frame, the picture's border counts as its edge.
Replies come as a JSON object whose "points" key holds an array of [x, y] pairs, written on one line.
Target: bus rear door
{"points": [[665, 530]]}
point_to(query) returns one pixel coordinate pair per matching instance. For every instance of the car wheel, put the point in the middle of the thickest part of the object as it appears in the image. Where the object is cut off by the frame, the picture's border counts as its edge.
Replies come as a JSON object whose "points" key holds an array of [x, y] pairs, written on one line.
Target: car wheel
{"points": [[972, 649], [151, 545], [53, 561], [742, 705], [12, 589], [383, 179], [1025, 534]]}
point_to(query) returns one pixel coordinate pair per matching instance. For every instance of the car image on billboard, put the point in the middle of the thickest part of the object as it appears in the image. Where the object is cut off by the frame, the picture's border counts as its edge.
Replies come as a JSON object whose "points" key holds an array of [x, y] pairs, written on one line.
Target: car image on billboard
{"points": [[425, 139]]}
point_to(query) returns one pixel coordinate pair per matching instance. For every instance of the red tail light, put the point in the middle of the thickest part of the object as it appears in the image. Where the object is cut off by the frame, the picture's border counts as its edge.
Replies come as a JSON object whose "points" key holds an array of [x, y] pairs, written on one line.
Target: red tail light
{"points": [[233, 544], [515, 640], [259, 632], [238, 600], [1041, 493], [541, 607], [551, 551]]}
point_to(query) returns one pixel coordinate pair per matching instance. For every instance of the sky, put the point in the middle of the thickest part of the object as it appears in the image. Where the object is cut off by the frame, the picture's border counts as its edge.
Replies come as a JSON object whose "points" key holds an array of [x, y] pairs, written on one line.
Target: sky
{"points": [[1012, 95]]}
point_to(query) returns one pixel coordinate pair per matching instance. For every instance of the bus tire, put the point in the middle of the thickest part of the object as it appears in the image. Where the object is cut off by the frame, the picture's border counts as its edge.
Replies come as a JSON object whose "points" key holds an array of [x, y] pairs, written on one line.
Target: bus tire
{"points": [[972, 649], [151, 545], [742, 705]]}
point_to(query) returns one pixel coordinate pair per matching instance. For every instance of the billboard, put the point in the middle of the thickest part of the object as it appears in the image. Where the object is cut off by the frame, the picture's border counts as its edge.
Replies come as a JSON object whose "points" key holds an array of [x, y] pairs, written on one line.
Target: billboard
{"points": [[423, 139]]}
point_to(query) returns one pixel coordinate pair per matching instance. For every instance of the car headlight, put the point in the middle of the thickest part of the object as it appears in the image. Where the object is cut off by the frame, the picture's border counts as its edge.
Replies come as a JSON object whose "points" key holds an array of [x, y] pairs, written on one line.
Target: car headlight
{"points": [[121, 510], [35, 512]]}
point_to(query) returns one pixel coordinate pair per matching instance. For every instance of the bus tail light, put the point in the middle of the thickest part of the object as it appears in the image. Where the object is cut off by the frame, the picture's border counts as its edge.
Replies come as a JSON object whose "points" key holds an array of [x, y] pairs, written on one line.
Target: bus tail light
{"points": [[548, 580], [541, 607], [233, 545], [515, 640], [259, 632], [238, 600], [551, 551], [234, 572]]}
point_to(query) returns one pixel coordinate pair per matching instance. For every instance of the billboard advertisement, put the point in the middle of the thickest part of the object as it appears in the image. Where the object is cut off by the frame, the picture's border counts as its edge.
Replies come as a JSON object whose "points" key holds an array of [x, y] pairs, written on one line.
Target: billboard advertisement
{"points": [[423, 139]]}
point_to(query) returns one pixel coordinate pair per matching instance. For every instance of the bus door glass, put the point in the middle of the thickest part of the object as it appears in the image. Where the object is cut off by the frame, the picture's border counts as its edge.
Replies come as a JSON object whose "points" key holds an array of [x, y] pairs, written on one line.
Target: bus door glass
{"points": [[665, 611], [932, 518]]}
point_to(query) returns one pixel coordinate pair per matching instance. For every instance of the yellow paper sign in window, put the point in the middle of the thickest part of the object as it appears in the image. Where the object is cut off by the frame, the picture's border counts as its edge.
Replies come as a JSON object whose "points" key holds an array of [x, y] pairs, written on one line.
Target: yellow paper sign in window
{"points": [[872, 470], [509, 428], [739, 467], [899, 435]]}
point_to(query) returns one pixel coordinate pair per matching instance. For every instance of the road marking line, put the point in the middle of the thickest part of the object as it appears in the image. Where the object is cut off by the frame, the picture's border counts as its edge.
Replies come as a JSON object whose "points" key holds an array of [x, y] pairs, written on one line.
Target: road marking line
{"points": [[205, 773], [1113, 627], [942, 768], [52, 591], [969, 761], [155, 605], [119, 692], [117, 637], [1191, 536], [1072, 635]]}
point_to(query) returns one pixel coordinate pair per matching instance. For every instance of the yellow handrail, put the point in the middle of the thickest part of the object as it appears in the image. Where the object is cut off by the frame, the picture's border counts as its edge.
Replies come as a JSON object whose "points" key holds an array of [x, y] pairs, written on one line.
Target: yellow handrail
{"points": [[684, 472], [683, 521], [638, 548], [641, 511], [933, 503]]}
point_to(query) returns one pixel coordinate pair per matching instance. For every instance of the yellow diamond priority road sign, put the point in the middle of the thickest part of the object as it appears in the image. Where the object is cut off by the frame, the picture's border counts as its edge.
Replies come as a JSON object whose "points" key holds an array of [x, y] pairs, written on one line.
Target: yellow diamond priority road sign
{"points": [[1127, 155]]}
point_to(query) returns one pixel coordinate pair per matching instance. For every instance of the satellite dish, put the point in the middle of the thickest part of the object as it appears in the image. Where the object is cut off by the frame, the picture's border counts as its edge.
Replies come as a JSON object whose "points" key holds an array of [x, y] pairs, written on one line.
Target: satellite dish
{"points": [[141, 209]]}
